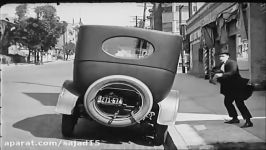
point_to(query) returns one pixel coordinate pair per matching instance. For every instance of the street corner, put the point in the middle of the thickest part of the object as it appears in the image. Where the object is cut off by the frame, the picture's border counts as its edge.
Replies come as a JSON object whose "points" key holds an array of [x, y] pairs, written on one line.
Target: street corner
{"points": [[211, 134]]}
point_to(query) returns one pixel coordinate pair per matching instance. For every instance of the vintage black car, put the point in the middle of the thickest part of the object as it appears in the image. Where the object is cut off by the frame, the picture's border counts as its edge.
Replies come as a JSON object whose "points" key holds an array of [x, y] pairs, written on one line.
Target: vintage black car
{"points": [[122, 77]]}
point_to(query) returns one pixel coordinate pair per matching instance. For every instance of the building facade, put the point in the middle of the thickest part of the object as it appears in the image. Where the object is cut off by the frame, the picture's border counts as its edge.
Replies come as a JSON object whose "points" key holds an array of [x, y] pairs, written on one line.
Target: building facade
{"points": [[168, 17], [174, 15], [70, 35], [9, 53], [241, 27]]}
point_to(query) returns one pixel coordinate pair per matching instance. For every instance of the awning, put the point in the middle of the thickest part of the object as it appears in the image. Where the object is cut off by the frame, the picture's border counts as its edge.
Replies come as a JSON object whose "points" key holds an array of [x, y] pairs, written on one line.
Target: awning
{"points": [[242, 23], [217, 27], [208, 35], [222, 23]]}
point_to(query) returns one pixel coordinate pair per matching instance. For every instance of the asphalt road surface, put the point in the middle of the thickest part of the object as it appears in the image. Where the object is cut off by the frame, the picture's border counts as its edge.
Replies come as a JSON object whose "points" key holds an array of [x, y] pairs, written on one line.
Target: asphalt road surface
{"points": [[29, 120], [29, 96]]}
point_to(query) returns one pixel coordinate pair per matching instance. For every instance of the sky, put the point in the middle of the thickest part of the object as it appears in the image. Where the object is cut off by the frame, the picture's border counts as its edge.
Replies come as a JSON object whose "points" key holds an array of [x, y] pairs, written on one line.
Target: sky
{"points": [[119, 14]]}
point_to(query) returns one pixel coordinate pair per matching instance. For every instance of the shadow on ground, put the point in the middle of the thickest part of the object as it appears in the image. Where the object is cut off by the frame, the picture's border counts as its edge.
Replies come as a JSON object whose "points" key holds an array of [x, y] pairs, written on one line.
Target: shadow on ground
{"points": [[49, 126], [240, 146], [92, 130], [46, 126], [47, 99]]}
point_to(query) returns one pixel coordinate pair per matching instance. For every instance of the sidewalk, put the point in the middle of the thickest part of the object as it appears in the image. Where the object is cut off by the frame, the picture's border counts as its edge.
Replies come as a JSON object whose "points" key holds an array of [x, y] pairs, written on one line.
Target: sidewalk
{"points": [[201, 115]]}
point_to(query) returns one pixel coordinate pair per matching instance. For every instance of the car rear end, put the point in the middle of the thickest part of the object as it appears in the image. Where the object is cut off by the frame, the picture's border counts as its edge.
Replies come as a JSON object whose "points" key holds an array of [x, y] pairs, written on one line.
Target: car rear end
{"points": [[123, 76]]}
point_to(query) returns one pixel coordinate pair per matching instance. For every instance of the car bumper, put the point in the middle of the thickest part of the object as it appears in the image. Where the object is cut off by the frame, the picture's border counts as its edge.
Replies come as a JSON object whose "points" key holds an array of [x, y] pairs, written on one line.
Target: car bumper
{"points": [[67, 98], [168, 109]]}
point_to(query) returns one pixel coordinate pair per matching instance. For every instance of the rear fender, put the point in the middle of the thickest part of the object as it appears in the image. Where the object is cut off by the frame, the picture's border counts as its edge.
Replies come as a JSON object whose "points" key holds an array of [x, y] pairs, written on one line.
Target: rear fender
{"points": [[67, 98], [168, 109]]}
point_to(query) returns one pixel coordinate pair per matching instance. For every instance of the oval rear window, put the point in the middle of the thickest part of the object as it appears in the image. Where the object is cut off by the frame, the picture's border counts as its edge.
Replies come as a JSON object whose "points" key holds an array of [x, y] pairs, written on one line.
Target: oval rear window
{"points": [[128, 48]]}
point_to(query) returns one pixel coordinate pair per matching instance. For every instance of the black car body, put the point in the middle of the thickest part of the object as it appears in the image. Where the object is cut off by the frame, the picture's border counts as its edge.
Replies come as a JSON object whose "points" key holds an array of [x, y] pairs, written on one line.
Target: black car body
{"points": [[122, 76]]}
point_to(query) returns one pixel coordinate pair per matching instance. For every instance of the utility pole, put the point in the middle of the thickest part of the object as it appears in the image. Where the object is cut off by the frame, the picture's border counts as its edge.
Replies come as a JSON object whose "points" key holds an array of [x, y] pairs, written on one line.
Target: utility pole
{"points": [[180, 17], [151, 18], [144, 15], [182, 50], [143, 20], [136, 20]]}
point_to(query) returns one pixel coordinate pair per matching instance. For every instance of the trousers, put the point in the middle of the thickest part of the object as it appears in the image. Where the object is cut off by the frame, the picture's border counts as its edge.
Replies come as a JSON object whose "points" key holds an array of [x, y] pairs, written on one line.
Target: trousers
{"points": [[228, 102]]}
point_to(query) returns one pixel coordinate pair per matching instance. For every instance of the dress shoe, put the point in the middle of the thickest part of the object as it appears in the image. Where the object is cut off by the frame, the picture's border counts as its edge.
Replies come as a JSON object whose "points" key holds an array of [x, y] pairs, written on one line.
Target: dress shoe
{"points": [[247, 124], [232, 121]]}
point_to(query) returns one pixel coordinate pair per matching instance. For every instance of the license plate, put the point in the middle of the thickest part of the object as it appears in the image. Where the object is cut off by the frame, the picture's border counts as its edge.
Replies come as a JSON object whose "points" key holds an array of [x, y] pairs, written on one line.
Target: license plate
{"points": [[109, 100]]}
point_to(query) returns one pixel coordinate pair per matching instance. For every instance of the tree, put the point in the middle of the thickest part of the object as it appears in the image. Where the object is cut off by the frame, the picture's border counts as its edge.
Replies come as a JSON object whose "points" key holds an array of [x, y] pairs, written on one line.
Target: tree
{"points": [[47, 12], [30, 33], [68, 49], [54, 28], [21, 11], [38, 34]]}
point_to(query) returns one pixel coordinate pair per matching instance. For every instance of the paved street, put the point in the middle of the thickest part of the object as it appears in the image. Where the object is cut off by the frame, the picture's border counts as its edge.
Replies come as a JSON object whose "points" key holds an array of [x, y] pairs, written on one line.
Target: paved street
{"points": [[29, 97], [28, 117]]}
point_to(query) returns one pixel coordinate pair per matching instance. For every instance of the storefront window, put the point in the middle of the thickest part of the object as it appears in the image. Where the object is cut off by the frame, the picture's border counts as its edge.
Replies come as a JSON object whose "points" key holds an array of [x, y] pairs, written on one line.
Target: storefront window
{"points": [[242, 53], [242, 48]]}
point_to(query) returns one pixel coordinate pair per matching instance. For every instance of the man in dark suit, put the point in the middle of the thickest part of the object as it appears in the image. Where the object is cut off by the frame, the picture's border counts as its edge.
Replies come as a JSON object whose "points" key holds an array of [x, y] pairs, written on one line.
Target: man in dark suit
{"points": [[231, 84]]}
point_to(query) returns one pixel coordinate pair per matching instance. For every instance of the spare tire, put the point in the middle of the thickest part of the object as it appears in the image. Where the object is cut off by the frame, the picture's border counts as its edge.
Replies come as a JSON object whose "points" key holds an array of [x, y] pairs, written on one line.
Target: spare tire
{"points": [[124, 84]]}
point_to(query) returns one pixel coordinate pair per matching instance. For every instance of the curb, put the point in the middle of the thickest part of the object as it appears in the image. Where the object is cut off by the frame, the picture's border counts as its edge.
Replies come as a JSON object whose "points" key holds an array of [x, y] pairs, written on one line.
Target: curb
{"points": [[173, 140], [184, 137]]}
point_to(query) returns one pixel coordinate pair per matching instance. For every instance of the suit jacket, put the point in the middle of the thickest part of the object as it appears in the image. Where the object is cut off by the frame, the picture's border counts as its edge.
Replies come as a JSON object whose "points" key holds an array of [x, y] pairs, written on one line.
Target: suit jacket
{"points": [[231, 82]]}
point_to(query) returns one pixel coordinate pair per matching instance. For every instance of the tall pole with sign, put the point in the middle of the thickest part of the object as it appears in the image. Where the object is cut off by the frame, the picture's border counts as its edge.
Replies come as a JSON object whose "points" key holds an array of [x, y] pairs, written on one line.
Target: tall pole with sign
{"points": [[144, 15]]}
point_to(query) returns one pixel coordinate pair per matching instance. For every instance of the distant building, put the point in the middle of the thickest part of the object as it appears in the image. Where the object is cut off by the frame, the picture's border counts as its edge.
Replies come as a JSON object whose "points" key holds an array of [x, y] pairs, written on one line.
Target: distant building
{"points": [[13, 53], [195, 6], [5, 21], [171, 16], [70, 35], [166, 16]]}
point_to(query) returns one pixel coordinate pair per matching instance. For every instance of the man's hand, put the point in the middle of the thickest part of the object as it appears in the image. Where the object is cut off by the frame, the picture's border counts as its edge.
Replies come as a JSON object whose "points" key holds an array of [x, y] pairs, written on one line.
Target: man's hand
{"points": [[218, 75]]}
